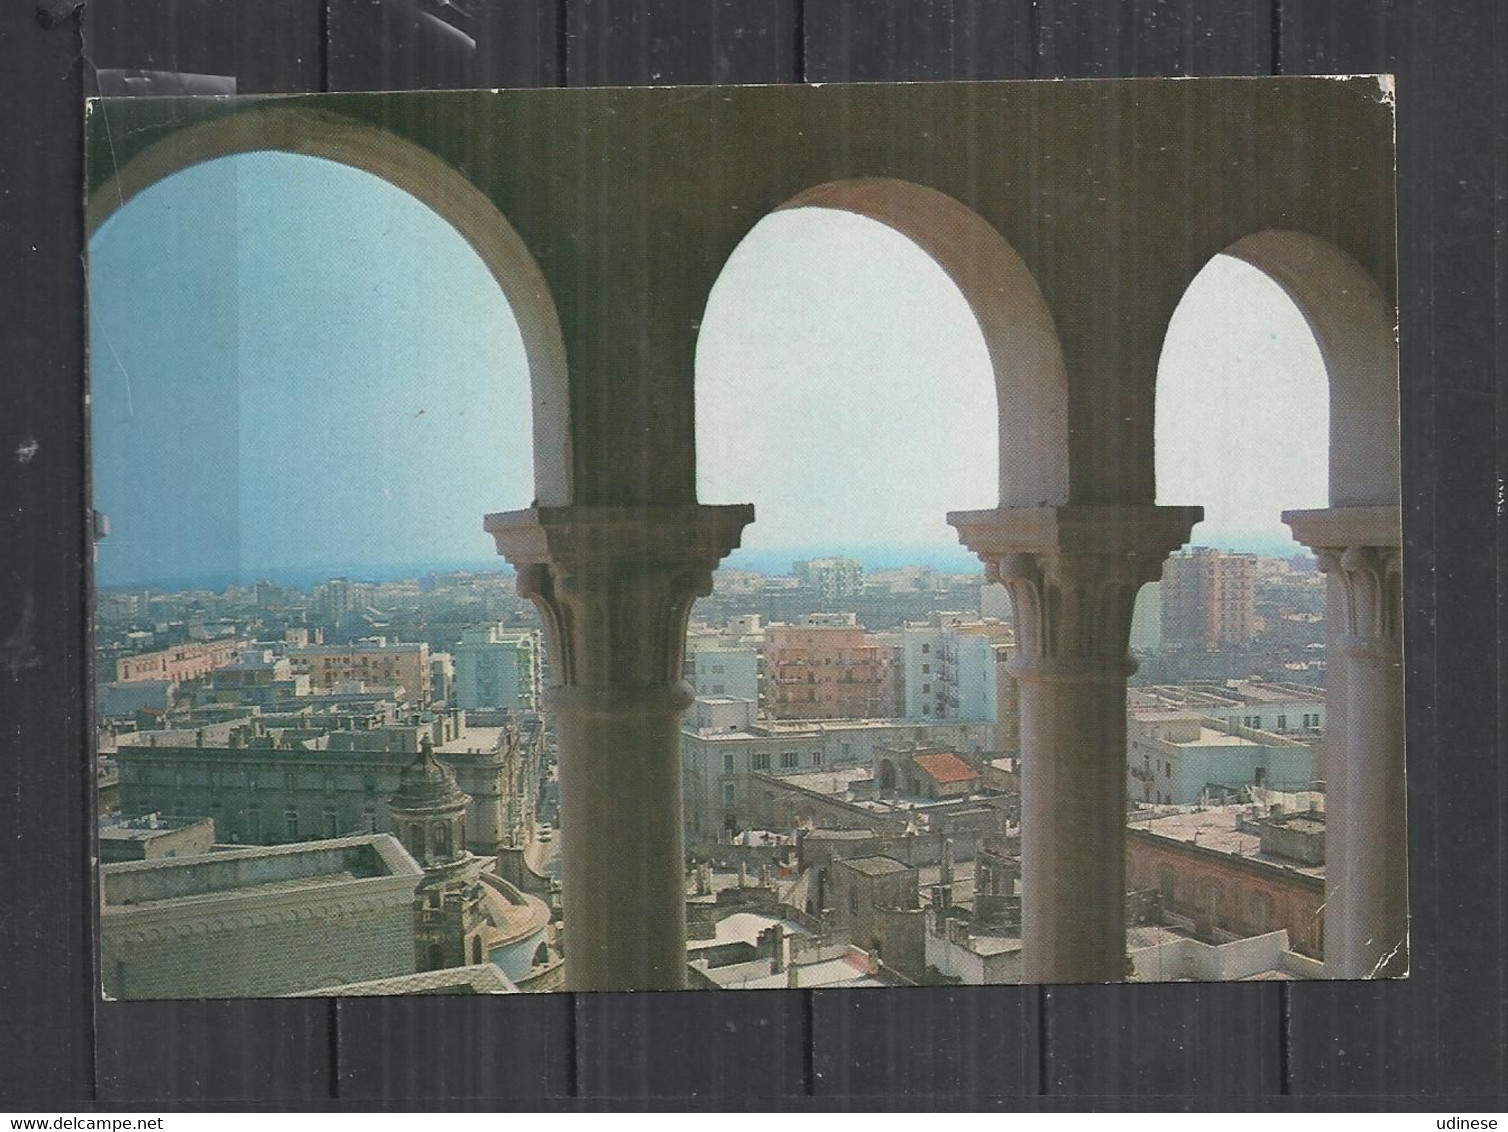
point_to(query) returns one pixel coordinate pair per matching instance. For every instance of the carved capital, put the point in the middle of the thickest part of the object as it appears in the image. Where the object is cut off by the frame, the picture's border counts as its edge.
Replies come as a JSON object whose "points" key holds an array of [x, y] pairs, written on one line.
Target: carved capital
{"points": [[615, 586], [1073, 574], [1362, 546]]}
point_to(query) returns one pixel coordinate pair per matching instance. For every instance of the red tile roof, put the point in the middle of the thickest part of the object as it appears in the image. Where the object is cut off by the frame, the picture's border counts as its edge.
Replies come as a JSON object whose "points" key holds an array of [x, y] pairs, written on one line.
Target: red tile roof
{"points": [[944, 766]]}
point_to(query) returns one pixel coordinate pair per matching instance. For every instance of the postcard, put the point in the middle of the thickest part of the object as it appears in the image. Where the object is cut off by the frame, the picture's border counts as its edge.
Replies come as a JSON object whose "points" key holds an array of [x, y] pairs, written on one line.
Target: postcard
{"points": [[890, 535]]}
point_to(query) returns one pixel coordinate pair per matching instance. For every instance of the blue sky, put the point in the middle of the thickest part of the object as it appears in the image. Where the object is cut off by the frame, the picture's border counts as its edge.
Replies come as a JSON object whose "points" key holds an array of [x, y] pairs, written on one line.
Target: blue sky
{"points": [[300, 370], [297, 365]]}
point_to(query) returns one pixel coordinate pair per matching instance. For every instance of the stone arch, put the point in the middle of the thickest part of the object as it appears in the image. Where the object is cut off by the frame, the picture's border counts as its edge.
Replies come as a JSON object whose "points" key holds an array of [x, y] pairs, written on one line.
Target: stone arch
{"points": [[1031, 380], [430, 180], [1354, 326]]}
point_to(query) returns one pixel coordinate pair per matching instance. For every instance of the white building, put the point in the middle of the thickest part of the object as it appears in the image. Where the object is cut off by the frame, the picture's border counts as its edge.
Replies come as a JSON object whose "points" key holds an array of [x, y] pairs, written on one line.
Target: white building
{"points": [[497, 668], [715, 668], [949, 668], [1174, 756]]}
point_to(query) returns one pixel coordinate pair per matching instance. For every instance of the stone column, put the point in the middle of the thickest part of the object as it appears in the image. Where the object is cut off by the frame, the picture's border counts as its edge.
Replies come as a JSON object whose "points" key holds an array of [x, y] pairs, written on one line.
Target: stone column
{"points": [[1366, 816], [1073, 574], [615, 586]]}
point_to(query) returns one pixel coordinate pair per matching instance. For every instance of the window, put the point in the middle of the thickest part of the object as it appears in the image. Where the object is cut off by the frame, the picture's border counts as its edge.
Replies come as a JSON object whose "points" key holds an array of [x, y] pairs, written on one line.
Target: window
{"points": [[926, 648], [816, 758], [331, 822], [728, 799], [369, 819], [926, 668], [926, 688], [788, 760], [853, 901], [1282, 723], [727, 764], [253, 825], [762, 760], [290, 824]]}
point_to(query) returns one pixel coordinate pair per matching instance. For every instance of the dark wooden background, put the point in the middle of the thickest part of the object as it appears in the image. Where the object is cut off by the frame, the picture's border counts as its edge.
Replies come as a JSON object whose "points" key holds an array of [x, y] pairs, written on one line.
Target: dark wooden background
{"points": [[1435, 1041]]}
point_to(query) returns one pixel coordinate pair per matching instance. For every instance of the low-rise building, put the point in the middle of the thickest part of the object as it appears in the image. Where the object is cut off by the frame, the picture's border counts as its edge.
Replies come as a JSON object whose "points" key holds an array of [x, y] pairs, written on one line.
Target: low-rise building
{"points": [[875, 903], [1215, 867], [258, 922], [722, 750], [152, 837], [177, 663], [1178, 758], [269, 779]]}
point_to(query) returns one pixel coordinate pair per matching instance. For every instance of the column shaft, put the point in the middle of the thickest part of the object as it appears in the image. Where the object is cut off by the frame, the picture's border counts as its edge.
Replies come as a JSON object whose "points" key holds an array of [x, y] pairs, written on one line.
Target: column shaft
{"points": [[1073, 823], [1366, 815], [1372, 868], [624, 874]]}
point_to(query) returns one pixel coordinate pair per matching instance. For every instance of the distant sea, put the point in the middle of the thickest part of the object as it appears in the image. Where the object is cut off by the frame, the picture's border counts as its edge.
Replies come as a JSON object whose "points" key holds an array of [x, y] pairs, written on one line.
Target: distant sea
{"points": [[944, 559]]}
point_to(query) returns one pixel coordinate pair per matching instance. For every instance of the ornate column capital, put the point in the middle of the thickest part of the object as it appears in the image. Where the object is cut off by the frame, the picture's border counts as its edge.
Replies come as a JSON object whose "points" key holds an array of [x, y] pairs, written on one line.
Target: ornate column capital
{"points": [[615, 586], [1073, 573], [1363, 547]]}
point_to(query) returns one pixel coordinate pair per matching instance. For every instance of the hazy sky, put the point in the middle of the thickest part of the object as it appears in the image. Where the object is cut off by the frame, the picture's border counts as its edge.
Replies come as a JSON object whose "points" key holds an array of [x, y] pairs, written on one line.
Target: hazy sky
{"points": [[297, 367]]}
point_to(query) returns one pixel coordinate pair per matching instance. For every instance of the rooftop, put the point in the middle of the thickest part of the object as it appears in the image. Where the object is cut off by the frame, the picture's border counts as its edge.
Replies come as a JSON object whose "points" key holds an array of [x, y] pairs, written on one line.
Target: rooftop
{"points": [[945, 767], [144, 828], [253, 872], [479, 978], [876, 866], [1216, 828]]}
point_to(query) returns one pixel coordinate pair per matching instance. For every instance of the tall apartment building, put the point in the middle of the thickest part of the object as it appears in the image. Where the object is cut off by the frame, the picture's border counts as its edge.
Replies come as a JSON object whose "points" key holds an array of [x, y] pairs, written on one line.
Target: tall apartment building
{"points": [[953, 667], [833, 578], [498, 668], [332, 600], [373, 661], [1208, 598], [828, 671]]}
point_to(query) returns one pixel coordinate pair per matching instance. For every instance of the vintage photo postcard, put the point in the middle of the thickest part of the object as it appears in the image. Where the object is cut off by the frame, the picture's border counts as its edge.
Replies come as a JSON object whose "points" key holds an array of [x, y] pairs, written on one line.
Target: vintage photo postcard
{"points": [[746, 538]]}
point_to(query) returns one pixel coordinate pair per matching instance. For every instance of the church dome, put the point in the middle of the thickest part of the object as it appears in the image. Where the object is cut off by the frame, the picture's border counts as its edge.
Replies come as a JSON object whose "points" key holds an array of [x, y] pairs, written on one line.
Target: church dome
{"points": [[427, 783]]}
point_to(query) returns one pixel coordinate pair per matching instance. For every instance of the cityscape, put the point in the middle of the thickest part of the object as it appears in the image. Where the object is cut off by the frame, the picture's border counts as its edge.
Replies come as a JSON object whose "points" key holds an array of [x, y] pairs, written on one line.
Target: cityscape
{"points": [[711, 572], [362, 777]]}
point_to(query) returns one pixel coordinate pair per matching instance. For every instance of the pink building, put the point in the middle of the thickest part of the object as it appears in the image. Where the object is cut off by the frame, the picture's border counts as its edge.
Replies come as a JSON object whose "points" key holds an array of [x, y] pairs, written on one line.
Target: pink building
{"points": [[178, 663], [828, 672]]}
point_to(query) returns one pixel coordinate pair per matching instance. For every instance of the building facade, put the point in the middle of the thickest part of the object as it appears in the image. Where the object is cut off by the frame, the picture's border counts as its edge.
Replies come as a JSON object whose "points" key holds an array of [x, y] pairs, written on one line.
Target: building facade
{"points": [[188, 661], [265, 784], [1209, 869], [1208, 598], [1175, 758], [827, 671], [720, 755], [498, 668], [257, 922], [370, 662], [951, 667]]}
